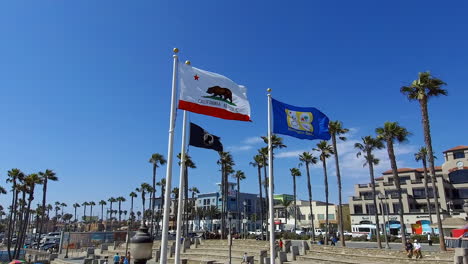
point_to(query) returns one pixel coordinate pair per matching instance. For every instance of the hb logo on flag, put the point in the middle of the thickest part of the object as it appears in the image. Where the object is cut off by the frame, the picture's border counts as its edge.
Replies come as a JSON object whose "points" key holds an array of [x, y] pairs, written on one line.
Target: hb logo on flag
{"points": [[300, 120]]}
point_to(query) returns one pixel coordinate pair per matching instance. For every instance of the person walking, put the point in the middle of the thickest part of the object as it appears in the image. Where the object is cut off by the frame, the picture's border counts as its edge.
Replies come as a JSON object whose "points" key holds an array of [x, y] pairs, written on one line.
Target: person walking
{"points": [[409, 249], [429, 240], [334, 240], [245, 259], [281, 244], [116, 258], [417, 249]]}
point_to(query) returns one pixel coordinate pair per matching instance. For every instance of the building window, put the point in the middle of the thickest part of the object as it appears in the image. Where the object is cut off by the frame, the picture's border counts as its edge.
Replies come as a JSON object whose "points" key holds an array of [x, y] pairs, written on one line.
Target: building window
{"points": [[462, 193], [370, 208], [459, 155], [311, 217], [421, 193], [357, 209], [396, 208], [458, 176], [331, 216], [321, 216]]}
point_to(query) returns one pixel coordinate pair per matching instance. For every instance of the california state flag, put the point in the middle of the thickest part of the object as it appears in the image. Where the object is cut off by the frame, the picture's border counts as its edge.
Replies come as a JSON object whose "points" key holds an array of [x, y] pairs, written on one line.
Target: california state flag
{"points": [[209, 93]]}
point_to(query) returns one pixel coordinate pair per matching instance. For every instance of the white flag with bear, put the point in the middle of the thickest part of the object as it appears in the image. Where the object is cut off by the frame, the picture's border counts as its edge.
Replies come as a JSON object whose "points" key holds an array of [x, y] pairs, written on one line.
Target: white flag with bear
{"points": [[212, 94]]}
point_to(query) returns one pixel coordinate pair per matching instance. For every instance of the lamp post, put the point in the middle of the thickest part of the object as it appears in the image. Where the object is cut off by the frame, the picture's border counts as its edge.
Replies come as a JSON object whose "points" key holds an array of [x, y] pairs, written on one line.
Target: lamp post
{"points": [[68, 241], [381, 197], [229, 236], [141, 245]]}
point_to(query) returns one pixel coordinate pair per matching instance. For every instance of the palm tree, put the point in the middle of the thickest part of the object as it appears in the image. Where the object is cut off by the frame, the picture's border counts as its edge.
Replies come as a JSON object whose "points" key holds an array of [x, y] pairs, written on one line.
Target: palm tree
{"points": [[57, 208], [239, 176], [91, 204], [157, 160], [425, 87], [194, 191], [62, 206], [295, 172], [421, 155], [84, 210], [212, 212], [132, 196], [15, 176], [76, 205], [30, 181], [143, 189], [226, 161], [120, 199], [139, 215], [326, 150], [46, 176], [307, 158], [276, 143], [368, 145], [102, 203], [111, 201], [188, 164], [336, 129], [258, 163], [391, 132], [162, 184]]}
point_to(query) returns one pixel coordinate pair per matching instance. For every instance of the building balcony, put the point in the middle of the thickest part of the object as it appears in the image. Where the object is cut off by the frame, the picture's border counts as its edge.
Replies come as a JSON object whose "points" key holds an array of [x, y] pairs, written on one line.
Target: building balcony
{"points": [[363, 185], [416, 181], [368, 198], [388, 184], [357, 198]]}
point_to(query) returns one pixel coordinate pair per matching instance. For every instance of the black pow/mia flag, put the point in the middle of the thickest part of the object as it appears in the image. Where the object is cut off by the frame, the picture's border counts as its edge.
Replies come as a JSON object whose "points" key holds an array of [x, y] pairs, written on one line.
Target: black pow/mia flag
{"points": [[199, 137]]}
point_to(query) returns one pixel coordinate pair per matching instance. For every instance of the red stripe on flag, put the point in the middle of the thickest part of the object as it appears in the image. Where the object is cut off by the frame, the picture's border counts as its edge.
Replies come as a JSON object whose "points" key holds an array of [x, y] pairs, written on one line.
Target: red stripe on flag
{"points": [[212, 111]]}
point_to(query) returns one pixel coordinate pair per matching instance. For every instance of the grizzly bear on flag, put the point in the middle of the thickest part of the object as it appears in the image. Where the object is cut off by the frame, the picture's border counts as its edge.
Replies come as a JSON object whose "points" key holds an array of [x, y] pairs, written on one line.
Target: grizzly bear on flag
{"points": [[223, 93]]}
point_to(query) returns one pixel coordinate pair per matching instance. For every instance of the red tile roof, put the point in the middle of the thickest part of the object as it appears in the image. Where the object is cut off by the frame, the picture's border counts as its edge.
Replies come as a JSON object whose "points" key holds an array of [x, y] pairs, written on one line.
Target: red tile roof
{"points": [[403, 170], [456, 148]]}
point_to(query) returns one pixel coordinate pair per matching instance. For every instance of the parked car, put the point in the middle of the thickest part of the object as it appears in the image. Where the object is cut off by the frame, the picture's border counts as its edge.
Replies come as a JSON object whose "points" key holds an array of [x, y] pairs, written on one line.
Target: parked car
{"points": [[256, 232], [49, 246]]}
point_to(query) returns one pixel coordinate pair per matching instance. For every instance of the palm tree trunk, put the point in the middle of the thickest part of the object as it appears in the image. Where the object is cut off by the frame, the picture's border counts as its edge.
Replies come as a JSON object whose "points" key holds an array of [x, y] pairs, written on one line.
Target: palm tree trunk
{"points": [[426, 189], [186, 199], [266, 196], [44, 193], [428, 141], [153, 198], [374, 199], [223, 200], [295, 206], [238, 205], [261, 197], [90, 213], [338, 176], [309, 187], [120, 211], [396, 179], [327, 230], [11, 219], [110, 211], [75, 214], [102, 212]]}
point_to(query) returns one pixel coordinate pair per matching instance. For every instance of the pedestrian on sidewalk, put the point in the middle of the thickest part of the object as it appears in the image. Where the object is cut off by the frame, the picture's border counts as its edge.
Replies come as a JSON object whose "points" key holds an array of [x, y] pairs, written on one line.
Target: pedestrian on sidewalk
{"points": [[417, 249], [245, 259], [281, 244], [116, 258], [409, 249], [429, 240], [334, 240]]}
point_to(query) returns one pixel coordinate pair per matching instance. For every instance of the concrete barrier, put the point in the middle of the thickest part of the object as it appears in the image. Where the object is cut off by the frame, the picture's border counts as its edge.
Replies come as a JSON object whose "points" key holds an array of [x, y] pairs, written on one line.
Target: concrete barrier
{"points": [[294, 252], [263, 254], [287, 245], [282, 257], [305, 245]]}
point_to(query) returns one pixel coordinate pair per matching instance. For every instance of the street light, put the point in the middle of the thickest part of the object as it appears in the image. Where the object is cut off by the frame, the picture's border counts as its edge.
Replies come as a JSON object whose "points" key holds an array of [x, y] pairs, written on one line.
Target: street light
{"points": [[141, 245], [381, 197]]}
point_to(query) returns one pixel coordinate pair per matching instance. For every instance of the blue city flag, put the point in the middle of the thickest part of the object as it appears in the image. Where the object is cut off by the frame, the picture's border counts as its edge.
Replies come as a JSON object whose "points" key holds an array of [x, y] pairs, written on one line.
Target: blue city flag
{"points": [[300, 122]]}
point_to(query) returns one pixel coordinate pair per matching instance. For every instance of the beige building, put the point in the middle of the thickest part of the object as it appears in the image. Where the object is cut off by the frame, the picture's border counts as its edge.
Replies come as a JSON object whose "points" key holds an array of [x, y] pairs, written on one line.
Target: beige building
{"points": [[451, 187], [284, 218]]}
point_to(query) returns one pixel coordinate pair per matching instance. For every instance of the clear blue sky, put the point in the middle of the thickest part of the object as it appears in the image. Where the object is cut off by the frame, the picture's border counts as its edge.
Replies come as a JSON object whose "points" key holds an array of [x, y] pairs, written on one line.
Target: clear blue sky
{"points": [[85, 85]]}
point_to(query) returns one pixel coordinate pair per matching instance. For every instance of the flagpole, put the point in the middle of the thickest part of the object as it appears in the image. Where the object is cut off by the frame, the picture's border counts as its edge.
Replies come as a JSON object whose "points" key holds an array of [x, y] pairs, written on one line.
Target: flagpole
{"points": [[170, 147], [270, 184], [181, 188]]}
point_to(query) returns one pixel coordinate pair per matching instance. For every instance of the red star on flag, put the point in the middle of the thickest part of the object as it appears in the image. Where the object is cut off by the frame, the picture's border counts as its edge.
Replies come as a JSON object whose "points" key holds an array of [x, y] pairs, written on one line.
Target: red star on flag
{"points": [[196, 77]]}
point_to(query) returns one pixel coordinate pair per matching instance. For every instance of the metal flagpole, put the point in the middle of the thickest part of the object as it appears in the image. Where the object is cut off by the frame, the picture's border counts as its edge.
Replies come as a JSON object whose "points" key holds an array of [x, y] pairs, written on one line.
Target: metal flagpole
{"points": [[167, 195], [181, 188], [270, 184]]}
